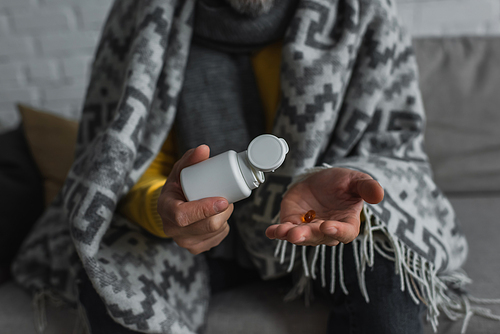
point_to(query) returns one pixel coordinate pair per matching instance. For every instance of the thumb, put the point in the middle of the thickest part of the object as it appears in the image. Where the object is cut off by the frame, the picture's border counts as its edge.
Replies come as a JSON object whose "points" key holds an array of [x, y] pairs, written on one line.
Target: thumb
{"points": [[201, 209], [369, 190], [194, 155]]}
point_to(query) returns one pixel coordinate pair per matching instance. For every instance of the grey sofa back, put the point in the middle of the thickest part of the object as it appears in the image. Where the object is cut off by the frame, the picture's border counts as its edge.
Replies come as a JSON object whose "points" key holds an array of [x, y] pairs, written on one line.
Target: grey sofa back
{"points": [[460, 83]]}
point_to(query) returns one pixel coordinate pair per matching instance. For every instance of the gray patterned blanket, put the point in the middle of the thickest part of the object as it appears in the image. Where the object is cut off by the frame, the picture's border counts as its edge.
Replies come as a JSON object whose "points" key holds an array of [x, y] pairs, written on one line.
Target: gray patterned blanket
{"points": [[350, 98]]}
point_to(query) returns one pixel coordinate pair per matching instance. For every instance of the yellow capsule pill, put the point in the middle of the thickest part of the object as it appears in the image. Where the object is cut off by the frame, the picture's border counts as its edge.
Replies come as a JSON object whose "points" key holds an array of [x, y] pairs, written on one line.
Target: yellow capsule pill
{"points": [[309, 216]]}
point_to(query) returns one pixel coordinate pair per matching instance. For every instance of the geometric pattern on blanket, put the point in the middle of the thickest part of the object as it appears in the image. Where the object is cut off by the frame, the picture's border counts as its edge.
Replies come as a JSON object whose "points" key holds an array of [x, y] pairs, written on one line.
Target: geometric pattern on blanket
{"points": [[350, 98]]}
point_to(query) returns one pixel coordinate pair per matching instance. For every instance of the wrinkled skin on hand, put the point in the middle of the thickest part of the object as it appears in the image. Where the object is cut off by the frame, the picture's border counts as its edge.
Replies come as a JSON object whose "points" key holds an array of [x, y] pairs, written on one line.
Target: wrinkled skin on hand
{"points": [[337, 196], [197, 225]]}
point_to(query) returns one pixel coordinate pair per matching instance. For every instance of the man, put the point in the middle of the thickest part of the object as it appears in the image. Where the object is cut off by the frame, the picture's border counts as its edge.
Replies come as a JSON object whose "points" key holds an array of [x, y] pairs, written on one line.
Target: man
{"points": [[337, 80]]}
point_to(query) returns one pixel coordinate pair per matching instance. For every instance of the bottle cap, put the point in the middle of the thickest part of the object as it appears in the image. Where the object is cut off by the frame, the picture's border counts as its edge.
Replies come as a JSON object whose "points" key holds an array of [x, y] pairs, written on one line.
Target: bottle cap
{"points": [[253, 177], [267, 152]]}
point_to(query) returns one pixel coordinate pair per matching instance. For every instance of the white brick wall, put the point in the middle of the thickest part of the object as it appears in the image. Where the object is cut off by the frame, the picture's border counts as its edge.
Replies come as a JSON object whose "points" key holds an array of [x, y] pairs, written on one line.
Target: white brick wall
{"points": [[46, 46], [45, 19], [450, 17]]}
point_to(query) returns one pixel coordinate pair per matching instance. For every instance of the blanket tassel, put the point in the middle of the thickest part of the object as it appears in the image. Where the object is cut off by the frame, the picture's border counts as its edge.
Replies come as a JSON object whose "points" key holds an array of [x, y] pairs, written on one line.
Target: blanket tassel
{"points": [[417, 276]]}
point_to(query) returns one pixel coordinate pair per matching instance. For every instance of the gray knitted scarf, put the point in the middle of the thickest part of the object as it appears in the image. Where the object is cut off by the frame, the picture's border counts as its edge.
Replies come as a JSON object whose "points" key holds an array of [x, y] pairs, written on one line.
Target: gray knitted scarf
{"points": [[349, 98]]}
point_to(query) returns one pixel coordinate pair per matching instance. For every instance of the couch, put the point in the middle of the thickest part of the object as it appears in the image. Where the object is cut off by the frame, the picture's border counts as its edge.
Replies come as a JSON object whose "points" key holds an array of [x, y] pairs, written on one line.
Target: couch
{"points": [[460, 80]]}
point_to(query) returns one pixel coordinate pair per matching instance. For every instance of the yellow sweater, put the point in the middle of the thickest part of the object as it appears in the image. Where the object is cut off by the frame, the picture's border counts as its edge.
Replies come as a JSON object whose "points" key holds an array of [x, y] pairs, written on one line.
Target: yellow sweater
{"points": [[140, 204]]}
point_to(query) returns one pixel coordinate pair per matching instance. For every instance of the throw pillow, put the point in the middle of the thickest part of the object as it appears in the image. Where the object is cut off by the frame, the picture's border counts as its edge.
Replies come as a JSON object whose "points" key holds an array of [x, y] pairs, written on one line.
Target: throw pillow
{"points": [[52, 142], [459, 78]]}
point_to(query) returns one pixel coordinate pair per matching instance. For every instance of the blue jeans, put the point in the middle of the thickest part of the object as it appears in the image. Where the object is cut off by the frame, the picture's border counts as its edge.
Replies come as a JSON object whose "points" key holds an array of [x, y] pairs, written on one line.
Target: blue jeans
{"points": [[390, 311]]}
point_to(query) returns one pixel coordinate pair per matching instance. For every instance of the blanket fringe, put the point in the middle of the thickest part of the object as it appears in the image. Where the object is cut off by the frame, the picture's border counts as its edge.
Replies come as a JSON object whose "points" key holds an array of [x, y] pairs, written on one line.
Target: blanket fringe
{"points": [[81, 324], [40, 300], [440, 293], [39, 311]]}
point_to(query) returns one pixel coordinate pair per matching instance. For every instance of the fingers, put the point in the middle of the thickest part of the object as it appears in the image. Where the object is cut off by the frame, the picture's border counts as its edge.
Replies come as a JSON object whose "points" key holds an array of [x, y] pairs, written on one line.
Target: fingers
{"points": [[337, 194], [343, 232], [202, 235], [186, 213], [191, 157], [366, 187], [176, 213], [203, 216], [279, 231], [196, 225], [211, 225], [303, 235], [173, 207], [202, 243], [329, 233], [369, 190]]}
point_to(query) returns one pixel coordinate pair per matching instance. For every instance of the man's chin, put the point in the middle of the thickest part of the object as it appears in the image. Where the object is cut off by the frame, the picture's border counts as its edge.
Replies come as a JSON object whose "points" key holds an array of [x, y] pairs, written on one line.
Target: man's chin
{"points": [[252, 7]]}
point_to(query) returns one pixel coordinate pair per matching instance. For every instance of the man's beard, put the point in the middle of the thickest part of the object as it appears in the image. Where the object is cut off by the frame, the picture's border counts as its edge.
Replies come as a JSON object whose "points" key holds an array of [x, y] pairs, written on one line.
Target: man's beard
{"points": [[252, 7]]}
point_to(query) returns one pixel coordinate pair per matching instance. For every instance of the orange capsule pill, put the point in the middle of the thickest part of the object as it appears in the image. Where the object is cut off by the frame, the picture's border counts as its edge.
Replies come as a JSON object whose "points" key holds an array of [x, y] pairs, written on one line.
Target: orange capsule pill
{"points": [[308, 216]]}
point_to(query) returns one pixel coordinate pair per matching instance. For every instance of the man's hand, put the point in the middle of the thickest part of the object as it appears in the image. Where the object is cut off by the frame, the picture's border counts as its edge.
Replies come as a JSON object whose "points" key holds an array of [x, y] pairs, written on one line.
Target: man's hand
{"points": [[198, 225], [336, 195]]}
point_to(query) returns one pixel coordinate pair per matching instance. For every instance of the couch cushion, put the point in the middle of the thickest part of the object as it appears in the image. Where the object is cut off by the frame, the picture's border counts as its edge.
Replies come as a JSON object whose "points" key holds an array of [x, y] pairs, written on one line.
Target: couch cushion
{"points": [[17, 316], [52, 142], [459, 79], [479, 222]]}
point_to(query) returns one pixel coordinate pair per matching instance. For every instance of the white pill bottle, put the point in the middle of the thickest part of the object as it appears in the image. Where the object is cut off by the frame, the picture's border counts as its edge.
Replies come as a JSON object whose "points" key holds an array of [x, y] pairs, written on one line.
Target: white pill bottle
{"points": [[234, 175]]}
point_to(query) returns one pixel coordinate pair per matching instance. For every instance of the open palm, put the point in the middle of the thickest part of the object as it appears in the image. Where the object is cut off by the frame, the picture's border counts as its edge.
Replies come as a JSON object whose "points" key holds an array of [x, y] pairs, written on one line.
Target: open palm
{"points": [[337, 196]]}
